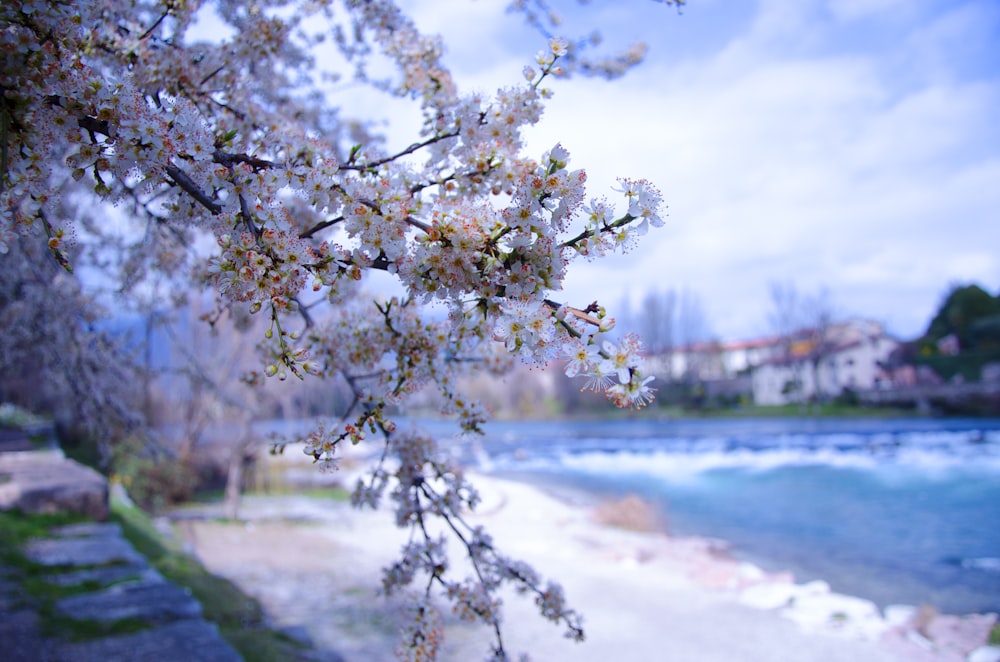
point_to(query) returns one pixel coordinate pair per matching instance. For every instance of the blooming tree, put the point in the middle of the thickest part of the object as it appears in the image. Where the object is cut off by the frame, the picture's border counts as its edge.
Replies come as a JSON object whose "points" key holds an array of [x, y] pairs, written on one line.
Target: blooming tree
{"points": [[227, 164]]}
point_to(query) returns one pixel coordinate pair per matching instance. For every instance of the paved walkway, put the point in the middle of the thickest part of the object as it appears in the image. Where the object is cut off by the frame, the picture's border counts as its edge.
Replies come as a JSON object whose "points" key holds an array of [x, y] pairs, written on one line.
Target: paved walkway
{"points": [[117, 585]]}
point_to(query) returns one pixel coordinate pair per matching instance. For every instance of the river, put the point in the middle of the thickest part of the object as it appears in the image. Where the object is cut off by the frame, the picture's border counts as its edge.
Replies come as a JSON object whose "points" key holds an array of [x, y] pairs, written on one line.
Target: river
{"points": [[893, 510]]}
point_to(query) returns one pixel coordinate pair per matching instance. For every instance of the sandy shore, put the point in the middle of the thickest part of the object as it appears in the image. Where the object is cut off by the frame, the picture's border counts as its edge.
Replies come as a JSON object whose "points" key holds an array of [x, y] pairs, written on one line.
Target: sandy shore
{"points": [[315, 564]]}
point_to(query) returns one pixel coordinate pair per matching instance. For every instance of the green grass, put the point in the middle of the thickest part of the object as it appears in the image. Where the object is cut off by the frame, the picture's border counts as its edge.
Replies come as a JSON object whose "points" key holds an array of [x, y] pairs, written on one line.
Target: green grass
{"points": [[17, 527], [213, 495], [15, 417], [239, 617], [332, 493], [338, 494], [824, 410], [64, 627], [39, 587]]}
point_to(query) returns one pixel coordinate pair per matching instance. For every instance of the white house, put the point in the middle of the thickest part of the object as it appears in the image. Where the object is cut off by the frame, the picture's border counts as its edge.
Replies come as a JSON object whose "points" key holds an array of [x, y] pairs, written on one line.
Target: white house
{"points": [[811, 363], [846, 356]]}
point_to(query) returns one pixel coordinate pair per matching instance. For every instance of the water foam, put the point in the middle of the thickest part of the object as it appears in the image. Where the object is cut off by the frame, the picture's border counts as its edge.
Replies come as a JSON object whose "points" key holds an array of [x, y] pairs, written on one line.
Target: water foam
{"points": [[685, 457]]}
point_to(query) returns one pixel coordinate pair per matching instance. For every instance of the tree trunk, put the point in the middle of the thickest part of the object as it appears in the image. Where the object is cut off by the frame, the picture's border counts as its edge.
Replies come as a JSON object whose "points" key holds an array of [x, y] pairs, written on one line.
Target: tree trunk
{"points": [[234, 476], [233, 479]]}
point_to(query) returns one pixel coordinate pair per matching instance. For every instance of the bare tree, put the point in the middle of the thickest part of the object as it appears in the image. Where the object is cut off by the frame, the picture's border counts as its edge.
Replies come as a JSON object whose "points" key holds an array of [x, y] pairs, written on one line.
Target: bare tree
{"points": [[691, 328], [803, 325], [822, 342], [692, 322], [656, 323], [785, 318]]}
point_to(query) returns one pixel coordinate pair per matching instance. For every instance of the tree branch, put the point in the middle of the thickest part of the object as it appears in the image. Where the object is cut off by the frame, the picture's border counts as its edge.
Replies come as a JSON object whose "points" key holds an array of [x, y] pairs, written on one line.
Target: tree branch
{"points": [[409, 150], [306, 234], [181, 178]]}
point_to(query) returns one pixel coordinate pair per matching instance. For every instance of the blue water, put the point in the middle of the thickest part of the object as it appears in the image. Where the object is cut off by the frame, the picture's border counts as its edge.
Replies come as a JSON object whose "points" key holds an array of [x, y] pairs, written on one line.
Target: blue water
{"points": [[897, 511]]}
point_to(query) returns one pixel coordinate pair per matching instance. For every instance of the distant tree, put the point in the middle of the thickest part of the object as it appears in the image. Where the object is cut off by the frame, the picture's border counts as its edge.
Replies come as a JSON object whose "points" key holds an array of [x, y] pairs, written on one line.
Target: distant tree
{"points": [[691, 328], [692, 323], [656, 323], [55, 356], [657, 320], [984, 333], [821, 341], [204, 386], [785, 319], [802, 325], [971, 316], [963, 307]]}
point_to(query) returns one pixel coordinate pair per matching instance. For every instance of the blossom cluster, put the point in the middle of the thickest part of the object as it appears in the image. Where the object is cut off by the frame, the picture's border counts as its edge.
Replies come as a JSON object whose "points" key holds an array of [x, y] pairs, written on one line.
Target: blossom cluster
{"points": [[225, 155], [428, 486]]}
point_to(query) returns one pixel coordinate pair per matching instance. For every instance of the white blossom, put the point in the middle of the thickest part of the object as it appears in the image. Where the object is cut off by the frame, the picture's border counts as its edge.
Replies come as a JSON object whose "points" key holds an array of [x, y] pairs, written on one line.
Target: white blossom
{"points": [[230, 144]]}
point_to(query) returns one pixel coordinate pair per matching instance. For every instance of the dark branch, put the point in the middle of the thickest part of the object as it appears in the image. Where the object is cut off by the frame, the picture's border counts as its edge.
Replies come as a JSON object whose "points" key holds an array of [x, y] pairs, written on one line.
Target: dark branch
{"points": [[155, 25], [229, 160], [305, 234], [181, 178], [409, 150]]}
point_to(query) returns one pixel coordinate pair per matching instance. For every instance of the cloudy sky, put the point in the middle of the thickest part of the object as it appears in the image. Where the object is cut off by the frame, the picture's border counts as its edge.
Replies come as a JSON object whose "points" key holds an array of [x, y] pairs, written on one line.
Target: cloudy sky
{"points": [[851, 146]]}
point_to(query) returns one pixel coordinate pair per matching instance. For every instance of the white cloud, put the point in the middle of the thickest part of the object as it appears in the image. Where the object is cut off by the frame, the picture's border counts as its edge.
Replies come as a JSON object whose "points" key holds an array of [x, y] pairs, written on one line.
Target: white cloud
{"points": [[827, 165], [849, 145]]}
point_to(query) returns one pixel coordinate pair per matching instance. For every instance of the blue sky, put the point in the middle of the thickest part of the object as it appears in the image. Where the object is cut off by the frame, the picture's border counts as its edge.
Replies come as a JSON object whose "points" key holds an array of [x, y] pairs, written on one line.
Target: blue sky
{"points": [[846, 145]]}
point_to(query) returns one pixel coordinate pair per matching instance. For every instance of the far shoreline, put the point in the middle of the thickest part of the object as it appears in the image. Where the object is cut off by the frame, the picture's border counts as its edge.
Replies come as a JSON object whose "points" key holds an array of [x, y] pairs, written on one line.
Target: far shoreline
{"points": [[792, 411]]}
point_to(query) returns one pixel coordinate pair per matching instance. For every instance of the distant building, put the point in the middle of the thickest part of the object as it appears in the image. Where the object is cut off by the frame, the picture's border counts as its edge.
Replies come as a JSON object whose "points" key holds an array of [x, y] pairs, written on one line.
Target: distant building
{"points": [[810, 364], [823, 364]]}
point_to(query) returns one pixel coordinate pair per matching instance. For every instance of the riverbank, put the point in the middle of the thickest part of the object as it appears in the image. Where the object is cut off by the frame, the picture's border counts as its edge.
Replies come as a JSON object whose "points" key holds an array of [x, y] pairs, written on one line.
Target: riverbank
{"points": [[314, 564]]}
